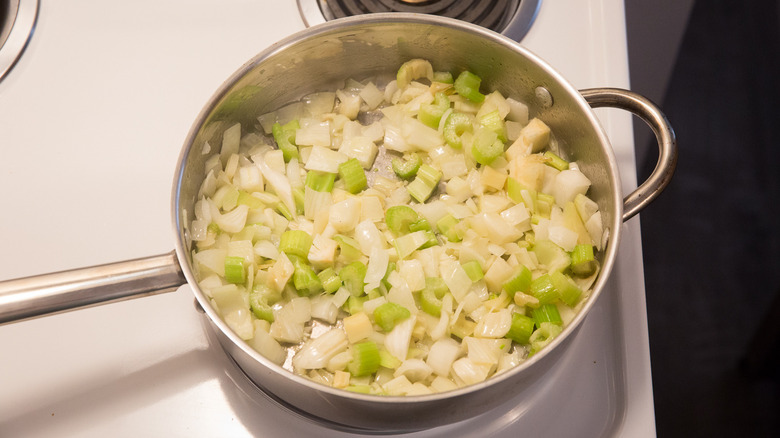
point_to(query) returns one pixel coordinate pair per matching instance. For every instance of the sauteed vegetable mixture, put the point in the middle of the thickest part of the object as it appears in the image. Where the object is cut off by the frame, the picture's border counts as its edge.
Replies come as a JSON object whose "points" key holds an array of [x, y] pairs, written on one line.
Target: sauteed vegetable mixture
{"points": [[400, 240]]}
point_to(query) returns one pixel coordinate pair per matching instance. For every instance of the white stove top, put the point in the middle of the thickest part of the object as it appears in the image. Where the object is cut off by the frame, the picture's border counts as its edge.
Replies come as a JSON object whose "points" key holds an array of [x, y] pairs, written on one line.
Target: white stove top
{"points": [[92, 119]]}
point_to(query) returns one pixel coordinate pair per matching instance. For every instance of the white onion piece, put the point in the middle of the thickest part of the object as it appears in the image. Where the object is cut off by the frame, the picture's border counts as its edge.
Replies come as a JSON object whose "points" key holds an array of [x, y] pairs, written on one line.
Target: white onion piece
{"points": [[316, 353]]}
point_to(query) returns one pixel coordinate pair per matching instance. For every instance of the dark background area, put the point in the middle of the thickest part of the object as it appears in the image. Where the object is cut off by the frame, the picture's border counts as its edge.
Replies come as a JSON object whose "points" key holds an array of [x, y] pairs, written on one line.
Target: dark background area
{"points": [[711, 242]]}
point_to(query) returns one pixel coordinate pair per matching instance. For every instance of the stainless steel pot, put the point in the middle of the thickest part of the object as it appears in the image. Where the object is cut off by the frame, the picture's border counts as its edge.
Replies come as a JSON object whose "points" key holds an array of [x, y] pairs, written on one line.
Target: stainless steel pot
{"points": [[321, 58]]}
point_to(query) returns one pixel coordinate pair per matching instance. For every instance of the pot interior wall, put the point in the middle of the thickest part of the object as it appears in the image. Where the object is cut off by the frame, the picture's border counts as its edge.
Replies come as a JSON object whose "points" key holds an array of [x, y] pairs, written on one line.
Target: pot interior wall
{"points": [[291, 69]]}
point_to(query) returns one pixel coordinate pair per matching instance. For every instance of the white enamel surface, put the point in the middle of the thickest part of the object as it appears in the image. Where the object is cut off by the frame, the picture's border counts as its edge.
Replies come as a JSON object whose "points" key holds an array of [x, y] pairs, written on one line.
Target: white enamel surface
{"points": [[92, 119]]}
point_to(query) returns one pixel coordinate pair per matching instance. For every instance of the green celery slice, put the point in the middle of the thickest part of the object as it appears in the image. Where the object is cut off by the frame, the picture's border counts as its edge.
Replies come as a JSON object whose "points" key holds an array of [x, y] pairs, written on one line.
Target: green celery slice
{"points": [[407, 168], [567, 289], [473, 270], [365, 359], [451, 228], [555, 161], [353, 175], [544, 290], [486, 147], [353, 276], [388, 315], [296, 242], [495, 123], [546, 313], [521, 329], [583, 262], [320, 181], [331, 282], [284, 135], [424, 183], [431, 113], [429, 303], [258, 302], [234, 270], [454, 127], [520, 281], [467, 85], [399, 219]]}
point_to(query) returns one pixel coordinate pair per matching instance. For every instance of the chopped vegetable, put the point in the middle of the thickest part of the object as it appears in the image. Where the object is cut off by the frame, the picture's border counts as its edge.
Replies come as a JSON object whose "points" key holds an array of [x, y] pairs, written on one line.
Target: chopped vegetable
{"points": [[388, 314], [467, 85], [424, 183], [407, 168], [366, 359], [374, 281], [353, 175], [285, 139]]}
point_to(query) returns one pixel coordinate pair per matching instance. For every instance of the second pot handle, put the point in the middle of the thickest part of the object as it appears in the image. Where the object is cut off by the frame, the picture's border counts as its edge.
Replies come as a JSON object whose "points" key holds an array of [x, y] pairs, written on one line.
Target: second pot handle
{"points": [[664, 134]]}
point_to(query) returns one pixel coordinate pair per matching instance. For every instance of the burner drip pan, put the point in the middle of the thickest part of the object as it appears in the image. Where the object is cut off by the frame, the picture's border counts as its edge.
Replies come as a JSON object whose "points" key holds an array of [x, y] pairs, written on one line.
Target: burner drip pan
{"points": [[512, 17]]}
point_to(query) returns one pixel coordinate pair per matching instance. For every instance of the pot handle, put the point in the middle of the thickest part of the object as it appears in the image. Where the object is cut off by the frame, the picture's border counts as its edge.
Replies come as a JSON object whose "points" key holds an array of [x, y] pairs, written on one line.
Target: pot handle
{"points": [[30, 297], [664, 134]]}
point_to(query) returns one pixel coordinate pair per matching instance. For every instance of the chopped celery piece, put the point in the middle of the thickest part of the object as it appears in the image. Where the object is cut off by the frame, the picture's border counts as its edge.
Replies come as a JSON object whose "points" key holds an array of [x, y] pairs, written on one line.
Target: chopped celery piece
{"points": [[388, 315], [555, 161], [234, 270], [467, 85], [360, 389], [283, 210], [259, 302], [583, 262], [331, 282], [544, 290], [390, 268], [454, 127], [365, 359], [420, 224], [486, 147], [399, 219], [349, 247], [521, 194], [520, 281], [305, 279], [451, 228], [546, 313], [320, 181], [553, 257], [444, 77], [521, 329], [495, 123], [424, 183], [353, 276], [429, 302], [567, 289], [244, 198], [409, 243], [431, 113], [298, 198], [284, 135], [213, 228], [543, 336], [437, 285], [353, 175], [473, 270], [407, 168], [387, 360], [354, 305], [430, 241], [295, 242]]}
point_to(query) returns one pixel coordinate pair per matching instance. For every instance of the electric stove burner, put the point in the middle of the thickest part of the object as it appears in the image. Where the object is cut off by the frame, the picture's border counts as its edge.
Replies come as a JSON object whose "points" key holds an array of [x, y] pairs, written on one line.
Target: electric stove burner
{"points": [[511, 17]]}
